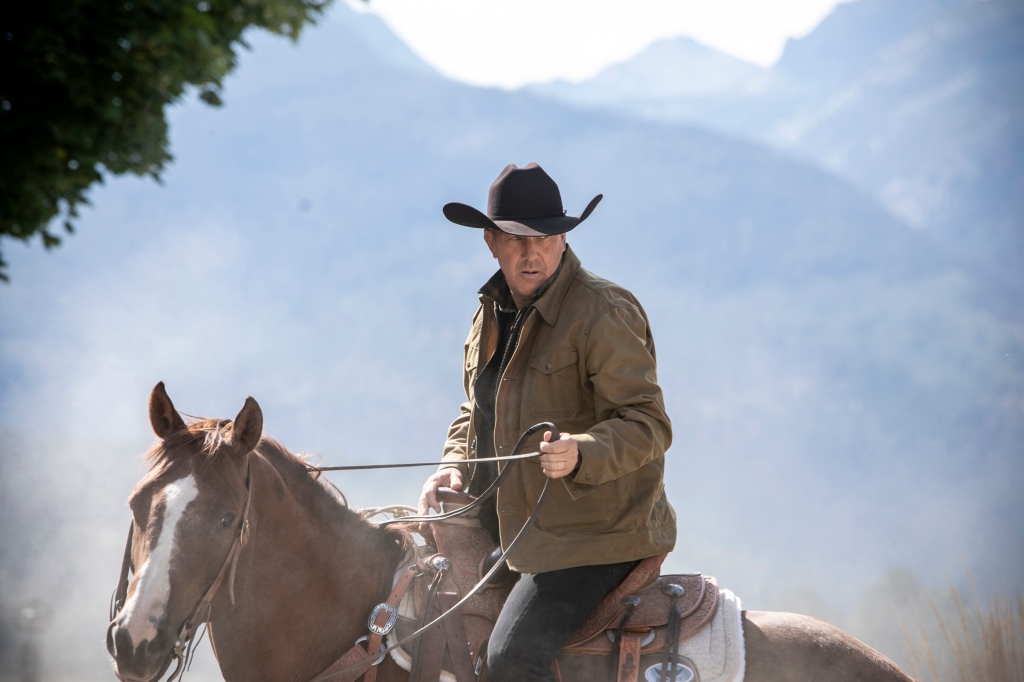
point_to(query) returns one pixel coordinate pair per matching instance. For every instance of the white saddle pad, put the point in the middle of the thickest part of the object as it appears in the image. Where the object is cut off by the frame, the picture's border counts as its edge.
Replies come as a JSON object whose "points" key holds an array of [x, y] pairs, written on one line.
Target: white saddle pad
{"points": [[717, 649]]}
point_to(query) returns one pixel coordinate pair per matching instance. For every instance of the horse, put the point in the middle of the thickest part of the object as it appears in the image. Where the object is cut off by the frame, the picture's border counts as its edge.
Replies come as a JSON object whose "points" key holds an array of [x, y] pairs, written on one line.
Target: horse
{"points": [[296, 595]]}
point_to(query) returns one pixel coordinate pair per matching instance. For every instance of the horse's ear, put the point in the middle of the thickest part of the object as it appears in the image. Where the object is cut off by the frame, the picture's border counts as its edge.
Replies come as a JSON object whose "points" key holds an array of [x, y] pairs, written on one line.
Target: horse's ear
{"points": [[248, 427], [164, 419]]}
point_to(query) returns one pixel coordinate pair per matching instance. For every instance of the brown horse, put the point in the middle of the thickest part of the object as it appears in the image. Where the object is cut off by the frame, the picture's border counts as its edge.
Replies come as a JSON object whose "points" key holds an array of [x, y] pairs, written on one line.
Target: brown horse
{"points": [[313, 569]]}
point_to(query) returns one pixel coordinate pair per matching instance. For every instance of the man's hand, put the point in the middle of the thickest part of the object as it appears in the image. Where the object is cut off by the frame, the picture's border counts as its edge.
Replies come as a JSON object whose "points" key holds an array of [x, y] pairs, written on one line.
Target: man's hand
{"points": [[445, 478], [560, 457]]}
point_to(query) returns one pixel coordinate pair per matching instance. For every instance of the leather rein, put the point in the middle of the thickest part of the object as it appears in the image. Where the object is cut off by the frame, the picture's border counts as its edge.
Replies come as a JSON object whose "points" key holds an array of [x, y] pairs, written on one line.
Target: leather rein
{"points": [[183, 646]]}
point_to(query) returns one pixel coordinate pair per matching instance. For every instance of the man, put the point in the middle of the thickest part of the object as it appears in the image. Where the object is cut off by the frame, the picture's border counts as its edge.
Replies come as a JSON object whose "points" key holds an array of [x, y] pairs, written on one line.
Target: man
{"points": [[553, 342]]}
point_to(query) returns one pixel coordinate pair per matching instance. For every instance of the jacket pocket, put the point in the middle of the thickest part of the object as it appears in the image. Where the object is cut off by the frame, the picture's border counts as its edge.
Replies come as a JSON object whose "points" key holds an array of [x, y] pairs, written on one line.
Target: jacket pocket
{"points": [[472, 358], [596, 512], [552, 386]]}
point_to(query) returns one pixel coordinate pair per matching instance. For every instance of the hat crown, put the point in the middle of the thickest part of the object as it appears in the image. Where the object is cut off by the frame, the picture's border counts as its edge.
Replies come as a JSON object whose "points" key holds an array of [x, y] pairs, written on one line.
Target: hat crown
{"points": [[524, 193]]}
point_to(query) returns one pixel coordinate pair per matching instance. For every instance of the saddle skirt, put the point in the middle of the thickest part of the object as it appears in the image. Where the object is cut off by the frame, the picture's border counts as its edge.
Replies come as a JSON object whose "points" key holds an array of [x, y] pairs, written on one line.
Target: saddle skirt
{"points": [[640, 605]]}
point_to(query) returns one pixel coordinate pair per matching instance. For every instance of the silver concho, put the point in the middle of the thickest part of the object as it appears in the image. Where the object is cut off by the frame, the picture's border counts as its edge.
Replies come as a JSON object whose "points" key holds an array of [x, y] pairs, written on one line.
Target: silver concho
{"points": [[684, 673], [673, 590], [392, 619]]}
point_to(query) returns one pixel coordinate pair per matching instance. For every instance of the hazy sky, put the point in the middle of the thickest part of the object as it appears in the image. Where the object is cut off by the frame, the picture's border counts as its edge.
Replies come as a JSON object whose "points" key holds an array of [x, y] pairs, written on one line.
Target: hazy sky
{"points": [[513, 42]]}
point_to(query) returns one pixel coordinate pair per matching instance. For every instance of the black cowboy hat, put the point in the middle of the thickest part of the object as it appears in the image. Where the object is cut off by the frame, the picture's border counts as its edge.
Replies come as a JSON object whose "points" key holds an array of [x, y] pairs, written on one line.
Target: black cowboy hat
{"points": [[523, 201]]}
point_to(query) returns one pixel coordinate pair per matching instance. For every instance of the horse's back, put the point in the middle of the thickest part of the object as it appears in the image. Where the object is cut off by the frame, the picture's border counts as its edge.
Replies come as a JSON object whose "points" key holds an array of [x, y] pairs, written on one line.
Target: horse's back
{"points": [[789, 647]]}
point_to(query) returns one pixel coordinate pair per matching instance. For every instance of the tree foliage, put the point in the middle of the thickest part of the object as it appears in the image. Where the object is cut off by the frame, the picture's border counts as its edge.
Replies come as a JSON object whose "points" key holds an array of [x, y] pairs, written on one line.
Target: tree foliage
{"points": [[84, 85]]}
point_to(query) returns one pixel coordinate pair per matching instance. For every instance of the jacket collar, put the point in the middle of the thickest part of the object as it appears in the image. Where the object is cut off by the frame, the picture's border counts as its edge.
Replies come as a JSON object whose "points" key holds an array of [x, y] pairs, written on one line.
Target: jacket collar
{"points": [[550, 301], [553, 292]]}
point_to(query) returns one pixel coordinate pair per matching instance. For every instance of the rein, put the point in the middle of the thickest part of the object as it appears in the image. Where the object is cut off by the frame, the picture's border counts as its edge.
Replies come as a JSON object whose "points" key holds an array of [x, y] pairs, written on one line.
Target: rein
{"points": [[407, 465]]}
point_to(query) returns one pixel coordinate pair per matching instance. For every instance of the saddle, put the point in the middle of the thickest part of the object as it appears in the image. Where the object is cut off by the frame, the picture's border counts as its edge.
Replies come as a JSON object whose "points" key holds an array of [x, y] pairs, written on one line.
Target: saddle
{"points": [[647, 615]]}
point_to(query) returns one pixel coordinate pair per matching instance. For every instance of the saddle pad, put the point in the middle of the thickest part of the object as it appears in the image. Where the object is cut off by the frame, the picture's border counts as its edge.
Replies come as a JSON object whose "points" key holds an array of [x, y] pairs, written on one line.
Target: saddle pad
{"points": [[718, 650]]}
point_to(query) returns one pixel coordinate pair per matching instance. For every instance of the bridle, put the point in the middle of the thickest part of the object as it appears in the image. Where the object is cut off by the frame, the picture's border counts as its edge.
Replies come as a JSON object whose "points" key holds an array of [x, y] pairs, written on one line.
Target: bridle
{"points": [[183, 645]]}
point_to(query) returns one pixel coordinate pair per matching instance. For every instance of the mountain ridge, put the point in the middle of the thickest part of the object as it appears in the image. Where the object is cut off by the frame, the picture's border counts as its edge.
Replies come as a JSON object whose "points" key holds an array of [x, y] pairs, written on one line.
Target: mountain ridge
{"points": [[912, 102]]}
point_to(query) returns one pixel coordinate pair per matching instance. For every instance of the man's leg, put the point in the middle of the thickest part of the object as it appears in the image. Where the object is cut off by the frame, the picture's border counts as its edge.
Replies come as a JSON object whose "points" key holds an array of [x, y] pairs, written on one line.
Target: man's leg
{"points": [[541, 614]]}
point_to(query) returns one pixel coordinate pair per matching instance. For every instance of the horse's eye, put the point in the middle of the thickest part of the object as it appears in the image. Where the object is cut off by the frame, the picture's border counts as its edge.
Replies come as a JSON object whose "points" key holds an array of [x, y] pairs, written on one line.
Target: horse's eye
{"points": [[227, 521]]}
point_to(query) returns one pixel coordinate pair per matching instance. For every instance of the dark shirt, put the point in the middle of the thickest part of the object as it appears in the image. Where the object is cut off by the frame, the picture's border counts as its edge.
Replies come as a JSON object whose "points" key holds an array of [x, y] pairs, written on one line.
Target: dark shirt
{"points": [[485, 391]]}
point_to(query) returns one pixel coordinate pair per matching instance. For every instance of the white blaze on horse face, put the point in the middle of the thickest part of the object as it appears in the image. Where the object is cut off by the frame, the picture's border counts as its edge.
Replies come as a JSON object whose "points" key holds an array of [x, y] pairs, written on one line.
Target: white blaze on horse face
{"points": [[147, 604]]}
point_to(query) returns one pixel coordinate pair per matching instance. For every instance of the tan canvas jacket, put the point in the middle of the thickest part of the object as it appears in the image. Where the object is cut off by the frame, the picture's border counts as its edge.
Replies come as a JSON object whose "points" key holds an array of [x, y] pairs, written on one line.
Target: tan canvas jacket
{"points": [[586, 362]]}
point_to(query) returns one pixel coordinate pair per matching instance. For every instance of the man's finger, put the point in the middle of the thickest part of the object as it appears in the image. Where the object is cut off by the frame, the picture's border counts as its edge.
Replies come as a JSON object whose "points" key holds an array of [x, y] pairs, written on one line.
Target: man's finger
{"points": [[455, 480], [430, 497]]}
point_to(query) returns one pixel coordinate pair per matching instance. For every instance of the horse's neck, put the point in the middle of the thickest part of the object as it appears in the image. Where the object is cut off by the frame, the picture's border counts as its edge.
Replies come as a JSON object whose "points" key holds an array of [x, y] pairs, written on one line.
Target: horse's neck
{"points": [[306, 582]]}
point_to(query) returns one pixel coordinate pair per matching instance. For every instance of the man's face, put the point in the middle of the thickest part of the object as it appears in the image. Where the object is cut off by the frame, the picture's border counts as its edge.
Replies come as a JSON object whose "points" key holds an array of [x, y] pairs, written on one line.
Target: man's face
{"points": [[527, 262]]}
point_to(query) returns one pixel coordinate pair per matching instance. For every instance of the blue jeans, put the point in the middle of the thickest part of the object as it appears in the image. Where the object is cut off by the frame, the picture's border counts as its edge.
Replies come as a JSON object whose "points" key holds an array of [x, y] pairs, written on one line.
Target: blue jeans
{"points": [[542, 614]]}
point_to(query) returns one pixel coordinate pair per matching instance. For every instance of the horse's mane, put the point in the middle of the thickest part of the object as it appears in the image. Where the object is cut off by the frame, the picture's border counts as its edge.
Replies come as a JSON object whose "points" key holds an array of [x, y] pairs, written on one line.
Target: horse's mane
{"points": [[205, 439]]}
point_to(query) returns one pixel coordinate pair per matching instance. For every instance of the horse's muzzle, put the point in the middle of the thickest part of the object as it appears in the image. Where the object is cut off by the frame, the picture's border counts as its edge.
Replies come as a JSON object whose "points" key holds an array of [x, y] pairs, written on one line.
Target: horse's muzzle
{"points": [[147, 661]]}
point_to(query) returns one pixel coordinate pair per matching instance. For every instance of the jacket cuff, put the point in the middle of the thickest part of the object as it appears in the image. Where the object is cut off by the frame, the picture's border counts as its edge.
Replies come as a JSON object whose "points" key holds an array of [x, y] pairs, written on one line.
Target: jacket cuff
{"points": [[585, 479]]}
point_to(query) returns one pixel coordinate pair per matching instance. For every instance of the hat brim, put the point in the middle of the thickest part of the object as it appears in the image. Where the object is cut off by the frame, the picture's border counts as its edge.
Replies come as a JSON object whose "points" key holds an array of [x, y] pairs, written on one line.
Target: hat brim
{"points": [[463, 214]]}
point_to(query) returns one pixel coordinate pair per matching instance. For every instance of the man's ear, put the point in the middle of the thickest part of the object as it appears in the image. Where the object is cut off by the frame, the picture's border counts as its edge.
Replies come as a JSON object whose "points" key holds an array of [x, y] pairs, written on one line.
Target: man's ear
{"points": [[491, 239], [247, 428], [164, 419]]}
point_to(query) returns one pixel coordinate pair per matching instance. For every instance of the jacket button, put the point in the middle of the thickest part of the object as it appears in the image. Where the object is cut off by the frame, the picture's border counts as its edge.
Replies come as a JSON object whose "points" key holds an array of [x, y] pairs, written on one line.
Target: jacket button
{"points": [[547, 366], [588, 477]]}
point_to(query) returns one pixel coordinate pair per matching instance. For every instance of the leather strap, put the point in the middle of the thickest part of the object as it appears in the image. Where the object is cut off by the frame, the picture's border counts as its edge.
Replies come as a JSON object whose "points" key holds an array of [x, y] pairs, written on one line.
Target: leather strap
{"points": [[670, 654], [350, 666], [629, 657], [397, 592], [458, 643], [347, 667], [427, 665], [121, 592]]}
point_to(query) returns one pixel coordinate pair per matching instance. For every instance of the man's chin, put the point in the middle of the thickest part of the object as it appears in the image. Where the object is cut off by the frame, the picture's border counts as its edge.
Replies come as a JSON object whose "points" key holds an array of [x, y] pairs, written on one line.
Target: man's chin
{"points": [[527, 285]]}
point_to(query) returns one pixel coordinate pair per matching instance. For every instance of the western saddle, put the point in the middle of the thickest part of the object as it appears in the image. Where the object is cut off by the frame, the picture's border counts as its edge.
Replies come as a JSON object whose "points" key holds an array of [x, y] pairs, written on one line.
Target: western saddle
{"points": [[647, 615]]}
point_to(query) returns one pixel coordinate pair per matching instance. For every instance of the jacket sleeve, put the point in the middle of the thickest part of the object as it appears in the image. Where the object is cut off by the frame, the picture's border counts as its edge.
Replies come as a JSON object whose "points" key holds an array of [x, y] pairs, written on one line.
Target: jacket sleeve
{"points": [[620, 363], [456, 447]]}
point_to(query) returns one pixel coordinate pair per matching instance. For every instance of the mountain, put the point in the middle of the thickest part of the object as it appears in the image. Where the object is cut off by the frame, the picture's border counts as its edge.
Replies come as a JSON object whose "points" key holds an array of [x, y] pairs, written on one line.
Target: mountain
{"points": [[845, 393], [668, 70], [915, 102]]}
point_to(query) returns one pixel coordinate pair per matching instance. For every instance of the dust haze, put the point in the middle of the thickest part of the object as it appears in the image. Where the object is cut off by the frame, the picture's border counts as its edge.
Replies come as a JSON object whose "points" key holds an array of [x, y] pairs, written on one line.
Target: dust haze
{"points": [[846, 383]]}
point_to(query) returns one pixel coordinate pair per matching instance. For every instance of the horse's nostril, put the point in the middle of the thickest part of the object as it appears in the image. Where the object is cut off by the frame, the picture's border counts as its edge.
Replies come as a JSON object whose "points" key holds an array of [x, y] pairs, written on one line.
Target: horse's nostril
{"points": [[122, 642]]}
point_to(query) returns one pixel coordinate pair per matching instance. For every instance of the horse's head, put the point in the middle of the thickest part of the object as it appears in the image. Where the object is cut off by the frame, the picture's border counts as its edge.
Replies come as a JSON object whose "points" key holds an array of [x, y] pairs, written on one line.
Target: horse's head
{"points": [[187, 514]]}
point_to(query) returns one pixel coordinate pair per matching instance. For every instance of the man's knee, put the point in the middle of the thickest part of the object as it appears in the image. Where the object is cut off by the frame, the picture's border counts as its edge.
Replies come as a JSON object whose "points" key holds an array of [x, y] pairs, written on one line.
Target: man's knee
{"points": [[516, 660]]}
